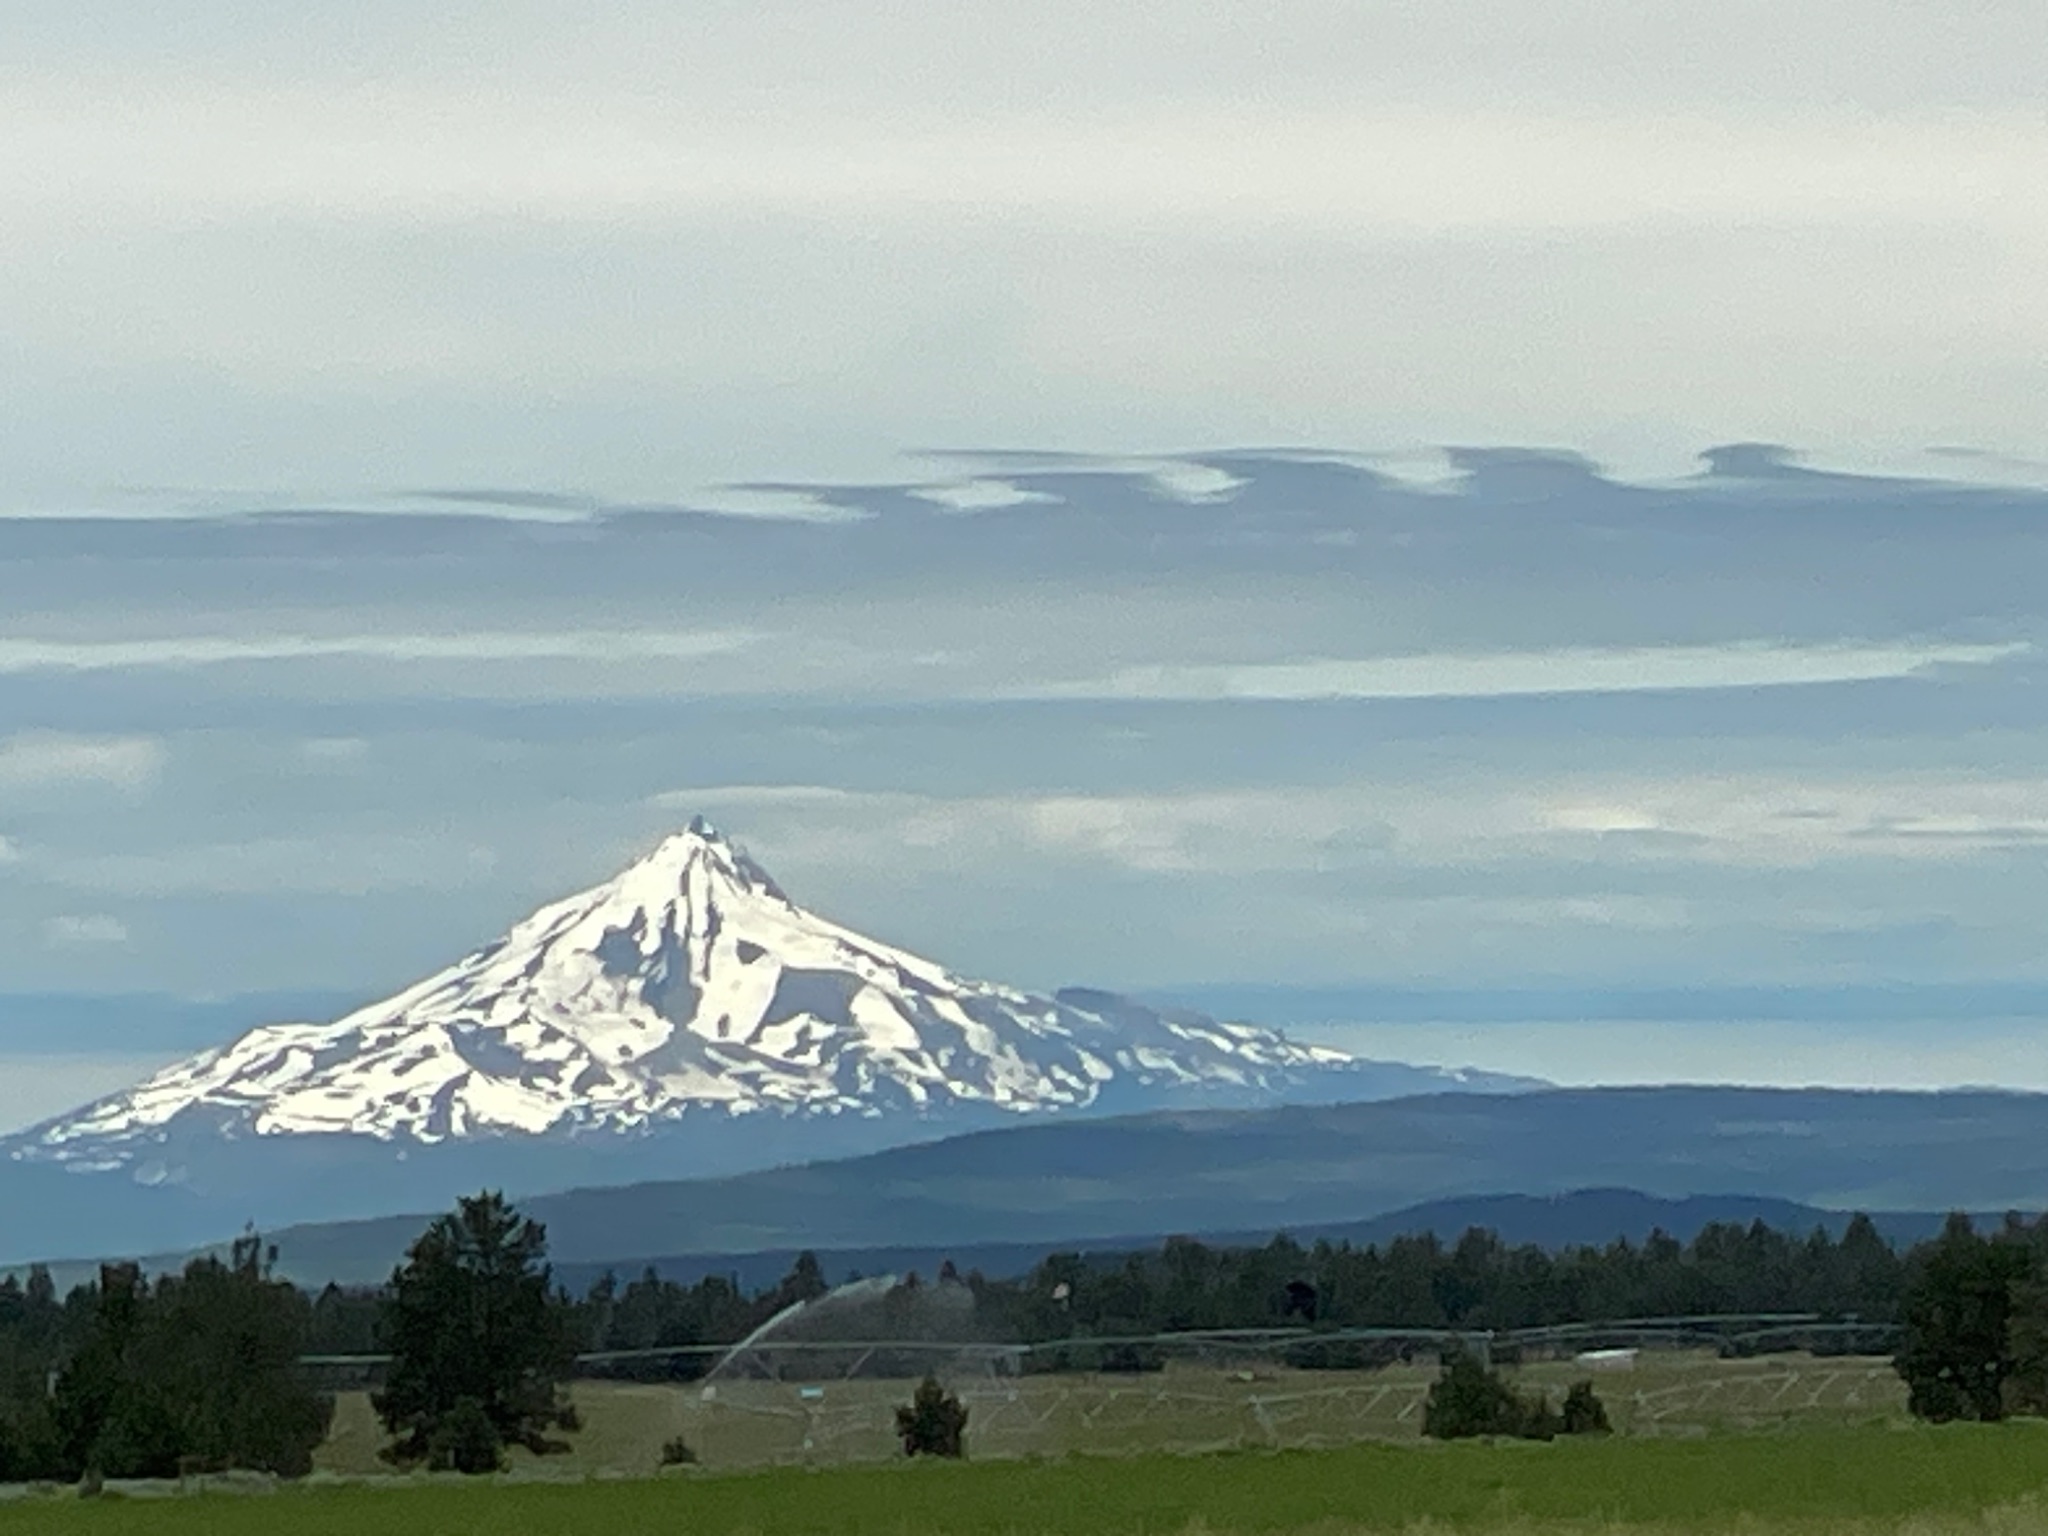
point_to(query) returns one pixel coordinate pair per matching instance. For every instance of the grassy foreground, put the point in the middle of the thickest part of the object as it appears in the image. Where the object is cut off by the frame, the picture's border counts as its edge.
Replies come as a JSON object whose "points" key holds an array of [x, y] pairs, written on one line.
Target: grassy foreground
{"points": [[1910, 1479]]}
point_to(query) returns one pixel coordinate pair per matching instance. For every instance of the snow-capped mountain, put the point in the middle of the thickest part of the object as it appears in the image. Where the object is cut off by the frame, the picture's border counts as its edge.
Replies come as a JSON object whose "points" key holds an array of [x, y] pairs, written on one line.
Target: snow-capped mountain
{"points": [[688, 985], [684, 1019]]}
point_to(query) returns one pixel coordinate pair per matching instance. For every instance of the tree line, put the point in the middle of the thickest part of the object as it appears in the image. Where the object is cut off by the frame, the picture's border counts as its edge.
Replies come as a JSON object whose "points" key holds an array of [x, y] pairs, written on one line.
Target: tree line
{"points": [[1477, 1282], [132, 1376]]}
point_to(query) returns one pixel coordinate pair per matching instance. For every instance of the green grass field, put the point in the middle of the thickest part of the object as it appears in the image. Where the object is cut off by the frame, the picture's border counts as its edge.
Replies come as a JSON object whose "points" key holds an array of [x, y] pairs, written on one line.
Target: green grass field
{"points": [[1793, 1444], [1914, 1480]]}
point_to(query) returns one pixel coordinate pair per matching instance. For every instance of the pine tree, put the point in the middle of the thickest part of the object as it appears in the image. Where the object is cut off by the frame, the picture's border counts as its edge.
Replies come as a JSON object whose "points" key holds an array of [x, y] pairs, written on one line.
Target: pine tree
{"points": [[1955, 1351], [475, 1328], [111, 1418]]}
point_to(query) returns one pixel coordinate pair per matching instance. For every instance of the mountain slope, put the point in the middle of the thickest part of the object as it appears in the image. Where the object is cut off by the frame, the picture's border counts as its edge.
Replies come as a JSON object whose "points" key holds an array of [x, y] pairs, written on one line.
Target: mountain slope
{"points": [[682, 1018]]}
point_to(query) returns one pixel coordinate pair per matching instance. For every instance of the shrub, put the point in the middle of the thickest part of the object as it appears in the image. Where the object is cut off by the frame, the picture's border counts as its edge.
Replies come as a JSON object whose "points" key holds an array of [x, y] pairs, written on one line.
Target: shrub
{"points": [[677, 1453], [1469, 1398], [934, 1424], [1584, 1413]]}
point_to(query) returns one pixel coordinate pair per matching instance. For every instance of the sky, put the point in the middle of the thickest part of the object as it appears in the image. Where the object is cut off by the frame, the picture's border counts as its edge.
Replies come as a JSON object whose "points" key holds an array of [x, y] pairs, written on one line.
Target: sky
{"points": [[1170, 496]]}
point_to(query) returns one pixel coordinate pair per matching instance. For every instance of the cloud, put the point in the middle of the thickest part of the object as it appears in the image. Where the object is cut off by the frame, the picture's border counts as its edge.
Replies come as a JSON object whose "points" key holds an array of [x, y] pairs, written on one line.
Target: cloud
{"points": [[38, 759], [546, 508], [1191, 481], [334, 753], [416, 251], [773, 504], [978, 495], [1760, 821], [772, 796], [487, 646], [342, 865], [1461, 877], [1765, 727], [840, 654], [927, 59], [1513, 674], [10, 852], [89, 929], [1787, 821], [404, 155]]}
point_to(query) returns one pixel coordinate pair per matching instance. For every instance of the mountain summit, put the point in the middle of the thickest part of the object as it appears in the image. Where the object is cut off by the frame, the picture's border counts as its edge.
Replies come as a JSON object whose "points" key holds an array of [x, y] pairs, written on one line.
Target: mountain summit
{"points": [[690, 987]]}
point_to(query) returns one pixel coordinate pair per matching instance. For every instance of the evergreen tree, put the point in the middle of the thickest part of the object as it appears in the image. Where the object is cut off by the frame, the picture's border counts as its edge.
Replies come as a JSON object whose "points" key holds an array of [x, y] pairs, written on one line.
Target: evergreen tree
{"points": [[472, 1319], [1955, 1351], [107, 1420], [806, 1278], [220, 1349], [344, 1322], [2026, 1332], [1870, 1271], [199, 1371]]}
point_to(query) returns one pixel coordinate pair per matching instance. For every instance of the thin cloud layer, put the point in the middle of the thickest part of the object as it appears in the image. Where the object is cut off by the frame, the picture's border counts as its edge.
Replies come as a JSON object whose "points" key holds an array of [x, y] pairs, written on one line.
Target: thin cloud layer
{"points": [[601, 647], [1516, 674], [93, 930], [50, 759], [380, 153]]}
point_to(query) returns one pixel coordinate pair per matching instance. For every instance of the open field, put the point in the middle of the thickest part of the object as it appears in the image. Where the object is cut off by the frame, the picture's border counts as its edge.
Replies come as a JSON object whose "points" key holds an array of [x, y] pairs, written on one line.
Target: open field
{"points": [[1187, 1407], [1820, 1481]]}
